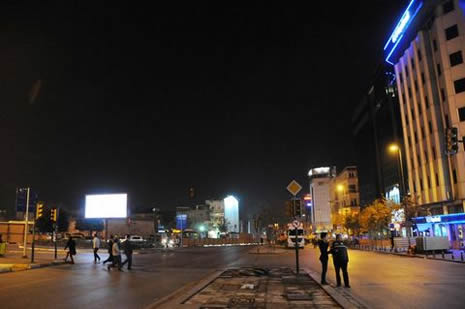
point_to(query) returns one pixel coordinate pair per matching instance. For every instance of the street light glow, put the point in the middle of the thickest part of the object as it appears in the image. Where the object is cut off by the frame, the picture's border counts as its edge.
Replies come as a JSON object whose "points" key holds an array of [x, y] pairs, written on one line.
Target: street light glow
{"points": [[340, 187], [393, 148]]}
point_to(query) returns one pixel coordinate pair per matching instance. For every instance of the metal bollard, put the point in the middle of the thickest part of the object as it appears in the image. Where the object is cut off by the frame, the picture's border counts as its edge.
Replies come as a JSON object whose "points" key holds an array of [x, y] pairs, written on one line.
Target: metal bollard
{"points": [[442, 253], [461, 256], [452, 256]]}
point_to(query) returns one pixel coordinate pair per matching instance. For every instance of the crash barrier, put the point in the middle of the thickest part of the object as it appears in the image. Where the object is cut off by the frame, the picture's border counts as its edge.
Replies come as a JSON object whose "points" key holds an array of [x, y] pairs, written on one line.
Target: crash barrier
{"points": [[217, 241], [13, 232], [401, 244]]}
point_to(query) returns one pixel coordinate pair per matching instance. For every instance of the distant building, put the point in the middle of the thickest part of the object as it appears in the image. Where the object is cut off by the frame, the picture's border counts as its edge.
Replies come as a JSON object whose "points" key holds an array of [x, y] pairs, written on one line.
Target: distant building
{"points": [[320, 182], [197, 217], [216, 208], [345, 195]]}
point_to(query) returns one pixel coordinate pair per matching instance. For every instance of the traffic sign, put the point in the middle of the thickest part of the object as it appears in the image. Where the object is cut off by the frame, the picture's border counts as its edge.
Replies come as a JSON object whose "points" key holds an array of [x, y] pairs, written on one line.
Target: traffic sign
{"points": [[294, 187]]}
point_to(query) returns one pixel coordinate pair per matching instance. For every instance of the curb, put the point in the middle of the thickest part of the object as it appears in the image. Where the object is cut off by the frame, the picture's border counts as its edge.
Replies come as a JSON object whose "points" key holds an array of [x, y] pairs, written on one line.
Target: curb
{"points": [[342, 300], [176, 298], [23, 267]]}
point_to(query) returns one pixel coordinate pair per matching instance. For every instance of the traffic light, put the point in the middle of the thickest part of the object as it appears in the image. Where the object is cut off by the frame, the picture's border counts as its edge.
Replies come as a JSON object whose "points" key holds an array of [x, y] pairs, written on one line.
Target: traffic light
{"points": [[289, 209], [297, 208], [39, 210], [452, 140], [53, 214]]}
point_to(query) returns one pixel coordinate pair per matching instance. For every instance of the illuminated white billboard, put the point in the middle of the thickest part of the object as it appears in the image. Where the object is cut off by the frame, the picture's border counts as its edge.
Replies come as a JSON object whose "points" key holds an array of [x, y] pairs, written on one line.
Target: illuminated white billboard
{"points": [[231, 213], [106, 206]]}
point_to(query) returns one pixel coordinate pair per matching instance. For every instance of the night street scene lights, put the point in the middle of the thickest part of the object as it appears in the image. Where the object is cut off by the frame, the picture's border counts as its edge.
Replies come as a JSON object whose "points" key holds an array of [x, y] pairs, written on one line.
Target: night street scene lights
{"points": [[395, 149]]}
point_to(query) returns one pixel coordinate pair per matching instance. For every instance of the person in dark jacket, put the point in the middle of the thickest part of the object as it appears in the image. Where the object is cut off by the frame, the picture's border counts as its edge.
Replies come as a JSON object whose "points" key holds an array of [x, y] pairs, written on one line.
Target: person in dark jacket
{"points": [[71, 246], [110, 252], [323, 245], [127, 246], [340, 260]]}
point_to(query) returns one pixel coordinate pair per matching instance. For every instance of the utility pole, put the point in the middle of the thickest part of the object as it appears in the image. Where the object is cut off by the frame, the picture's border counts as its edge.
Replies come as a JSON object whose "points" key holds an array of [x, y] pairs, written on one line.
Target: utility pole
{"points": [[26, 225]]}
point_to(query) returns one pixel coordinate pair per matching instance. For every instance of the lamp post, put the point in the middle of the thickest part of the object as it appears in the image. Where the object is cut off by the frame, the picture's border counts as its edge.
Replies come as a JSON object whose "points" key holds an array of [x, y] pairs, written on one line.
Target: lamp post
{"points": [[394, 148]]}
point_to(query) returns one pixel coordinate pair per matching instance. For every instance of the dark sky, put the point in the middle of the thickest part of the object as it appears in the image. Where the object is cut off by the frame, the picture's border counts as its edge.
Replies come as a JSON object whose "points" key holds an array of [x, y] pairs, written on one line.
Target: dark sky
{"points": [[151, 100]]}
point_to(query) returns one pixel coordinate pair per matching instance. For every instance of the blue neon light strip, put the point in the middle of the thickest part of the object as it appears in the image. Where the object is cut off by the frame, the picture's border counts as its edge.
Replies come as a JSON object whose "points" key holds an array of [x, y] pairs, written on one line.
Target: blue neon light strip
{"points": [[396, 36]]}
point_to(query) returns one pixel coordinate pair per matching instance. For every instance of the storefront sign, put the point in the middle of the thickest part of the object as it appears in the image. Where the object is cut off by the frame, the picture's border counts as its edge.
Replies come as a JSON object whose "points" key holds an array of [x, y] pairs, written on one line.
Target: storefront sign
{"points": [[434, 219]]}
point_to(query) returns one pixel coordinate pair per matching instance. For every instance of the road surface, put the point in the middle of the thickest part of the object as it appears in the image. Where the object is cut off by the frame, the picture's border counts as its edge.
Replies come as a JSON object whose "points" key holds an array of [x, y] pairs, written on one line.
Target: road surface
{"points": [[381, 281]]}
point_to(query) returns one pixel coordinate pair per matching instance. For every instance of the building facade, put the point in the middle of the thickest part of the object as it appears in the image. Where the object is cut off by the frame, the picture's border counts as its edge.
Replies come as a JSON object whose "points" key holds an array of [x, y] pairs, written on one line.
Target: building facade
{"points": [[344, 190], [375, 126], [320, 182], [426, 50]]}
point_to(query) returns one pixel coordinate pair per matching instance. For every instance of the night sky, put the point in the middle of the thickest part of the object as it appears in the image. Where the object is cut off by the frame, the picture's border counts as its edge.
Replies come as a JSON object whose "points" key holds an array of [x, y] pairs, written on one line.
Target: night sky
{"points": [[152, 100]]}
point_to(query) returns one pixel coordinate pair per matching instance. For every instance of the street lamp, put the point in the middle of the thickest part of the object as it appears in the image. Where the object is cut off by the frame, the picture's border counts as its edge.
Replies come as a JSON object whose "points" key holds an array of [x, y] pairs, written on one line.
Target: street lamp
{"points": [[394, 148]]}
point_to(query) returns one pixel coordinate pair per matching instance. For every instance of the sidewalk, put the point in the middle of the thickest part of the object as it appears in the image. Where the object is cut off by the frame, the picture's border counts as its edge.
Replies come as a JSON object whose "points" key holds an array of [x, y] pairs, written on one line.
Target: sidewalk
{"points": [[256, 287], [13, 259]]}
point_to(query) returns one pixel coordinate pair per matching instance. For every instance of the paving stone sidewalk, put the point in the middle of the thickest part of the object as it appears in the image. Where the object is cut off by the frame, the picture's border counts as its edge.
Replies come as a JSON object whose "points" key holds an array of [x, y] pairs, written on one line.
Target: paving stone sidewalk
{"points": [[262, 288]]}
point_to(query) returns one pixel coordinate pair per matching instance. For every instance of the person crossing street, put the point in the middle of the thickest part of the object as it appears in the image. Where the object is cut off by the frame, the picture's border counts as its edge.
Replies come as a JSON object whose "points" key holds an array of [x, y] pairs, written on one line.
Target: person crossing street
{"points": [[96, 247], [128, 249]]}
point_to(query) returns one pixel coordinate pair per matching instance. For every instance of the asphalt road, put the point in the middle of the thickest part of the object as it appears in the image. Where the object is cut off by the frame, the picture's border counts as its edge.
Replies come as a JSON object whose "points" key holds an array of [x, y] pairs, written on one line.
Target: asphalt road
{"points": [[381, 281]]}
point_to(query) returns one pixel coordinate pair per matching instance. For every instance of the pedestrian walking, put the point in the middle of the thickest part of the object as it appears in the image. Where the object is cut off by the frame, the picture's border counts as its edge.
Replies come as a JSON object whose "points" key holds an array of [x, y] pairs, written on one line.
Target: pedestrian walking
{"points": [[2, 246], [71, 246], [128, 249], [392, 240], [340, 260], [110, 251], [323, 245], [96, 246], [116, 255]]}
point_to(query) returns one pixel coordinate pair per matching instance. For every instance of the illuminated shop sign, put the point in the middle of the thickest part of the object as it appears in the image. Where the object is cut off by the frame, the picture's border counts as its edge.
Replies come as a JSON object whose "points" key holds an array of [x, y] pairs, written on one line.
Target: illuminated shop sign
{"points": [[399, 31], [434, 219], [451, 219]]}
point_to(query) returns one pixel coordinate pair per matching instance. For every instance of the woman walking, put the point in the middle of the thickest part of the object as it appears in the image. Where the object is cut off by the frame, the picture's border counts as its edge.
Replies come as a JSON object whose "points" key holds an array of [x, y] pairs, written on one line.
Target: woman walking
{"points": [[71, 246]]}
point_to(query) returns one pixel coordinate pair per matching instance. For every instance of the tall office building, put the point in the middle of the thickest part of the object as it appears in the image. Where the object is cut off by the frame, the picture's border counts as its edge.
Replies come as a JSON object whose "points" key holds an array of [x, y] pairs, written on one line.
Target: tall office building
{"points": [[426, 50], [375, 126]]}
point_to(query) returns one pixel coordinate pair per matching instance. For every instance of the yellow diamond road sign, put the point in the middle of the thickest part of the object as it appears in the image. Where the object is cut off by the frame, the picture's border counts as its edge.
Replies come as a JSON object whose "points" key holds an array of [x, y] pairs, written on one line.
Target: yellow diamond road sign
{"points": [[293, 187]]}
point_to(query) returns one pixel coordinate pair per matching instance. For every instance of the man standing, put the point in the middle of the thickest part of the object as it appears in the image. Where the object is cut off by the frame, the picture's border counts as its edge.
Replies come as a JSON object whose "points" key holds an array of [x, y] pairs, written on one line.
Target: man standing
{"points": [[96, 246], [116, 255], [110, 250], [340, 260], [323, 245], [128, 251]]}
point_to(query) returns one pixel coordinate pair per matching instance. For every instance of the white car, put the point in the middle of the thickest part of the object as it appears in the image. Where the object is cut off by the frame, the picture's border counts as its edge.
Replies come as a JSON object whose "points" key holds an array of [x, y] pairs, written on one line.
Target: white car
{"points": [[136, 238]]}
